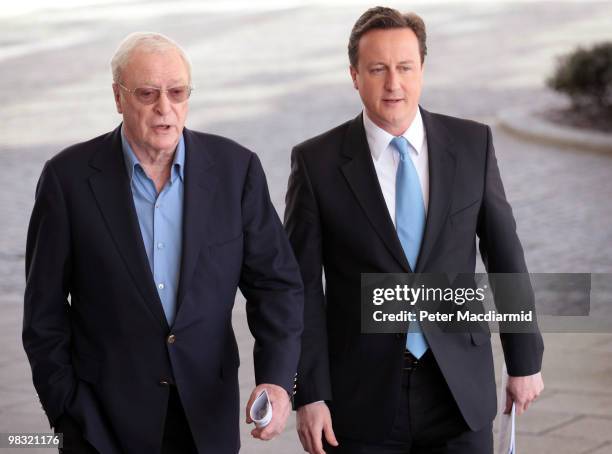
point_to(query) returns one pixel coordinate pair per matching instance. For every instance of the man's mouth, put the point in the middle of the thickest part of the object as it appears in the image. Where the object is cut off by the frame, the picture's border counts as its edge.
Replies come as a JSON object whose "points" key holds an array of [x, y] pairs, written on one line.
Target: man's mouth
{"points": [[161, 128], [393, 100]]}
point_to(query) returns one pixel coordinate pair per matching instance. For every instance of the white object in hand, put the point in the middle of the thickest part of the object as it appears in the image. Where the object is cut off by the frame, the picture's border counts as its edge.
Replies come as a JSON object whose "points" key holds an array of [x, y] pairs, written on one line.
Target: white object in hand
{"points": [[507, 423], [261, 410]]}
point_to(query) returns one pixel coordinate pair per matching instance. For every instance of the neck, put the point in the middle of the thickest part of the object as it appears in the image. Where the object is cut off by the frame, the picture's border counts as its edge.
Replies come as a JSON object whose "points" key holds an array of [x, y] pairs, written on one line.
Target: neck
{"points": [[149, 157], [395, 129], [154, 158], [157, 164]]}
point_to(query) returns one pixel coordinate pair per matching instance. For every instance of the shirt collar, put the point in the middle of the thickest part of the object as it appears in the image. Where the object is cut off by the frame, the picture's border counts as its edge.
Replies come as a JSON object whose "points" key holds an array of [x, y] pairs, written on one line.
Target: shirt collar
{"points": [[131, 161], [379, 139]]}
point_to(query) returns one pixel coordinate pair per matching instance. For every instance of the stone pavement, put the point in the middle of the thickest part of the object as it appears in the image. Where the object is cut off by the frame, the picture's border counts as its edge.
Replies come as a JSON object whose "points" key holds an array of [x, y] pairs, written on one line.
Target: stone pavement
{"points": [[272, 74]]}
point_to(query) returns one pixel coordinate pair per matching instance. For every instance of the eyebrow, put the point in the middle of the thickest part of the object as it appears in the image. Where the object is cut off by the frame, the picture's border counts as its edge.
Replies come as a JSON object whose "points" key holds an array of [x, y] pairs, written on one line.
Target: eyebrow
{"points": [[172, 83], [403, 62]]}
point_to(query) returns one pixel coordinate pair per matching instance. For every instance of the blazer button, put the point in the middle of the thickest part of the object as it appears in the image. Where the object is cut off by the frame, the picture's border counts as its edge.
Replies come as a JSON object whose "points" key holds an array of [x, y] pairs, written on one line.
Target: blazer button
{"points": [[164, 382], [399, 336], [171, 339]]}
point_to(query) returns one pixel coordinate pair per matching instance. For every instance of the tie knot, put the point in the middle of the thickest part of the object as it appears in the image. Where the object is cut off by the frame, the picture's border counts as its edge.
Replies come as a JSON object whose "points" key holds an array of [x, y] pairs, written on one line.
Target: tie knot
{"points": [[401, 144]]}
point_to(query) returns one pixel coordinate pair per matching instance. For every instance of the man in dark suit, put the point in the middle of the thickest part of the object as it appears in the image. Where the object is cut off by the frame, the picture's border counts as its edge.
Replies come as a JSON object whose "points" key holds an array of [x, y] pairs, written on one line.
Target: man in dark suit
{"points": [[397, 190], [137, 244]]}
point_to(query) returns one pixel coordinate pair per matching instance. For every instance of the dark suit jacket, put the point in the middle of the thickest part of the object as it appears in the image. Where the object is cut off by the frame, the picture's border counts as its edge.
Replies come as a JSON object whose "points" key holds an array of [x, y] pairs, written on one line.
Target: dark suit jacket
{"points": [[336, 217], [104, 357]]}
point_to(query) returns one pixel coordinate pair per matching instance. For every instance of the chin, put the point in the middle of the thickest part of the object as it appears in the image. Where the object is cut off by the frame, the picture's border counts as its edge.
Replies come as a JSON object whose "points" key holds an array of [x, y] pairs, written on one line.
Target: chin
{"points": [[393, 121], [165, 140]]}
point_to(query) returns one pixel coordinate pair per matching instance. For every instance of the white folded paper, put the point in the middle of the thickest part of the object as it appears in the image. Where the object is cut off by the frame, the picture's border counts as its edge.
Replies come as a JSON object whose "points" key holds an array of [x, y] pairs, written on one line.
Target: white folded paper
{"points": [[506, 442], [261, 410]]}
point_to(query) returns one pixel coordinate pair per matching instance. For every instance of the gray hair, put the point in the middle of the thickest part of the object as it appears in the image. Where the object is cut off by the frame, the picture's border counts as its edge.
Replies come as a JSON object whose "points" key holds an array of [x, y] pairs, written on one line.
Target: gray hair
{"points": [[149, 42]]}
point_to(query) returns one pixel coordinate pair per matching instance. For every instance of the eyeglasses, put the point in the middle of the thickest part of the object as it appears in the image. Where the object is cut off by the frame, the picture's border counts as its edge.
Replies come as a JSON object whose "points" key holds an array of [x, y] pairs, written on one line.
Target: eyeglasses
{"points": [[150, 95]]}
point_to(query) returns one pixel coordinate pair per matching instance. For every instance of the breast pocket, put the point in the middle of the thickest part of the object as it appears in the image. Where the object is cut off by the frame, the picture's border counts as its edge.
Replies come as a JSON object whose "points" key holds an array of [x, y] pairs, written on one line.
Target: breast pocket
{"points": [[464, 219]]}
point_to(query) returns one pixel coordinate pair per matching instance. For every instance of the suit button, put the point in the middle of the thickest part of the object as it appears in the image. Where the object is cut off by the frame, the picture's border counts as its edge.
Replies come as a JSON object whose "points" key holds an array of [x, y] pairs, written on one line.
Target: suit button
{"points": [[171, 339], [164, 382], [399, 336]]}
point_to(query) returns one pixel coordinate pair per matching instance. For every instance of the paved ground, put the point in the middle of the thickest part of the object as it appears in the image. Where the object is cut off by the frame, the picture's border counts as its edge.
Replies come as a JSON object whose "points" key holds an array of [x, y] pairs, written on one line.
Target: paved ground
{"points": [[272, 75]]}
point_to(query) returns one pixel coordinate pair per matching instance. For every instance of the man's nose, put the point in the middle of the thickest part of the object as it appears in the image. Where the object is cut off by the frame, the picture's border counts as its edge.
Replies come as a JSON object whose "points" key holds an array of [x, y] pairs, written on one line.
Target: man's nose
{"points": [[163, 104], [392, 80]]}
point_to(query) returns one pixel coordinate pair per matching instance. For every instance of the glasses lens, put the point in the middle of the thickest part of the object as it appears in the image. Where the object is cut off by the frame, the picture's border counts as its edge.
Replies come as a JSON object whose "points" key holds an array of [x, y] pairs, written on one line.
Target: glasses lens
{"points": [[149, 95], [146, 95], [179, 94]]}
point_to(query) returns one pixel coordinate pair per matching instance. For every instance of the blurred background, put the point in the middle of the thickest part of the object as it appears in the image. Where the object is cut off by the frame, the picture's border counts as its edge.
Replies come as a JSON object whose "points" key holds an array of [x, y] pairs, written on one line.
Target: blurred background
{"points": [[271, 74]]}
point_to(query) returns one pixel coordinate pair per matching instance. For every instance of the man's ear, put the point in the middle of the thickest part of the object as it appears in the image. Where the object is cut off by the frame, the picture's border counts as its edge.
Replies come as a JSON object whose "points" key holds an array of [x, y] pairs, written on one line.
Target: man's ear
{"points": [[117, 96], [353, 72]]}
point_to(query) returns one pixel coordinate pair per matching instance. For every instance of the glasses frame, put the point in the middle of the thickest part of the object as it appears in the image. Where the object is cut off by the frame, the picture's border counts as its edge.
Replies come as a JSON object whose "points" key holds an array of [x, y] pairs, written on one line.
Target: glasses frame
{"points": [[190, 88]]}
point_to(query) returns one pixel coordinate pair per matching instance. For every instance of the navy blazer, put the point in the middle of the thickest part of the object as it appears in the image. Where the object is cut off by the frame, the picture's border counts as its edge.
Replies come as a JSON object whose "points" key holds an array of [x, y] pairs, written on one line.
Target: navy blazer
{"points": [[337, 219], [94, 329]]}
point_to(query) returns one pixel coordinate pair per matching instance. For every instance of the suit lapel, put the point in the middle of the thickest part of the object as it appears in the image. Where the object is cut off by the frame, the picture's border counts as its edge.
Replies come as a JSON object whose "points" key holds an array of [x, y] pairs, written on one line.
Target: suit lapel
{"points": [[442, 166], [361, 176], [200, 186], [113, 194]]}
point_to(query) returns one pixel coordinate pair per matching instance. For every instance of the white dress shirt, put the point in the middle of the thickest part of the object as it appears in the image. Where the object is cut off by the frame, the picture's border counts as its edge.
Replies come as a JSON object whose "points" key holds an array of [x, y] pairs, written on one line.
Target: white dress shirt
{"points": [[386, 158]]}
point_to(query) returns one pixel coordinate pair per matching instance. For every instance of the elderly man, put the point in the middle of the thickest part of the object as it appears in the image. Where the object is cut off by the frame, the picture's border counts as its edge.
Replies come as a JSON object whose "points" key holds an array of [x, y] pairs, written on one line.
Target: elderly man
{"points": [[137, 243], [397, 190]]}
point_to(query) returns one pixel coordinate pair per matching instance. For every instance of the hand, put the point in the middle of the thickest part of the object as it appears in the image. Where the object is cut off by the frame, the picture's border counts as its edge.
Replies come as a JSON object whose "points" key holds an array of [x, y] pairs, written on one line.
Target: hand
{"points": [[281, 407], [523, 391], [314, 421]]}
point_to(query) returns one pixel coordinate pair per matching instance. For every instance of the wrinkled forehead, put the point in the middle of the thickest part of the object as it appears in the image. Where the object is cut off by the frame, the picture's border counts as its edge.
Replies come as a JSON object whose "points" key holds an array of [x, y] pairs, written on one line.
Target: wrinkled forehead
{"points": [[156, 67]]}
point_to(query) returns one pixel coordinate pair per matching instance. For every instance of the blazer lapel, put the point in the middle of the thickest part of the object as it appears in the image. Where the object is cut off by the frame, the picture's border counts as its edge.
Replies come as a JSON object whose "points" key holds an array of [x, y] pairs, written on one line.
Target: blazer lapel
{"points": [[113, 194], [200, 186], [442, 166], [361, 176]]}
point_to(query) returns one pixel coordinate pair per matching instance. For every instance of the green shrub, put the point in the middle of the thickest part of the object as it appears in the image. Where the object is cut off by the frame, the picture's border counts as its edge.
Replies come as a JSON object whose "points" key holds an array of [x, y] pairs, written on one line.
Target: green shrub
{"points": [[585, 75]]}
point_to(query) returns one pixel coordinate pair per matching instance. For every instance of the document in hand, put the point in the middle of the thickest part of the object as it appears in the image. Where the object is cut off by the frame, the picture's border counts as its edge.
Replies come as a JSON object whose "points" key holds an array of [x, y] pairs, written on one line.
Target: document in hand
{"points": [[506, 442], [261, 410]]}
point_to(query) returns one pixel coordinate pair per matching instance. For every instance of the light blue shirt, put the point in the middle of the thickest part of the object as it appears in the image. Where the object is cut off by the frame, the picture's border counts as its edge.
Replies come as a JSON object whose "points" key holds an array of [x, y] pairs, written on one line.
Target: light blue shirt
{"points": [[160, 217]]}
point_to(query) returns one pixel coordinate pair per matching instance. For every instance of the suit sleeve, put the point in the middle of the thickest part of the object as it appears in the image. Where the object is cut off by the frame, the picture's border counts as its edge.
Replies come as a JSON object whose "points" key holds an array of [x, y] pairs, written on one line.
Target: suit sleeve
{"points": [[46, 326], [303, 227], [502, 252], [270, 281]]}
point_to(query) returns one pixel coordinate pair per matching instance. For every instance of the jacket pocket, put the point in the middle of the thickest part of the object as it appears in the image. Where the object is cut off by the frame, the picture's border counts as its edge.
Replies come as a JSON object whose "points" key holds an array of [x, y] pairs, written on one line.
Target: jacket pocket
{"points": [[86, 369], [229, 367], [480, 337], [464, 210], [224, 242]]}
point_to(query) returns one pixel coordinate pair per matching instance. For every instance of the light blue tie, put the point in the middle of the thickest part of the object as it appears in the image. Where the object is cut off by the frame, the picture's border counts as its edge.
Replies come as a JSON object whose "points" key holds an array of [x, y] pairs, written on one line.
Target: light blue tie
{"points": [[410, 224]]}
